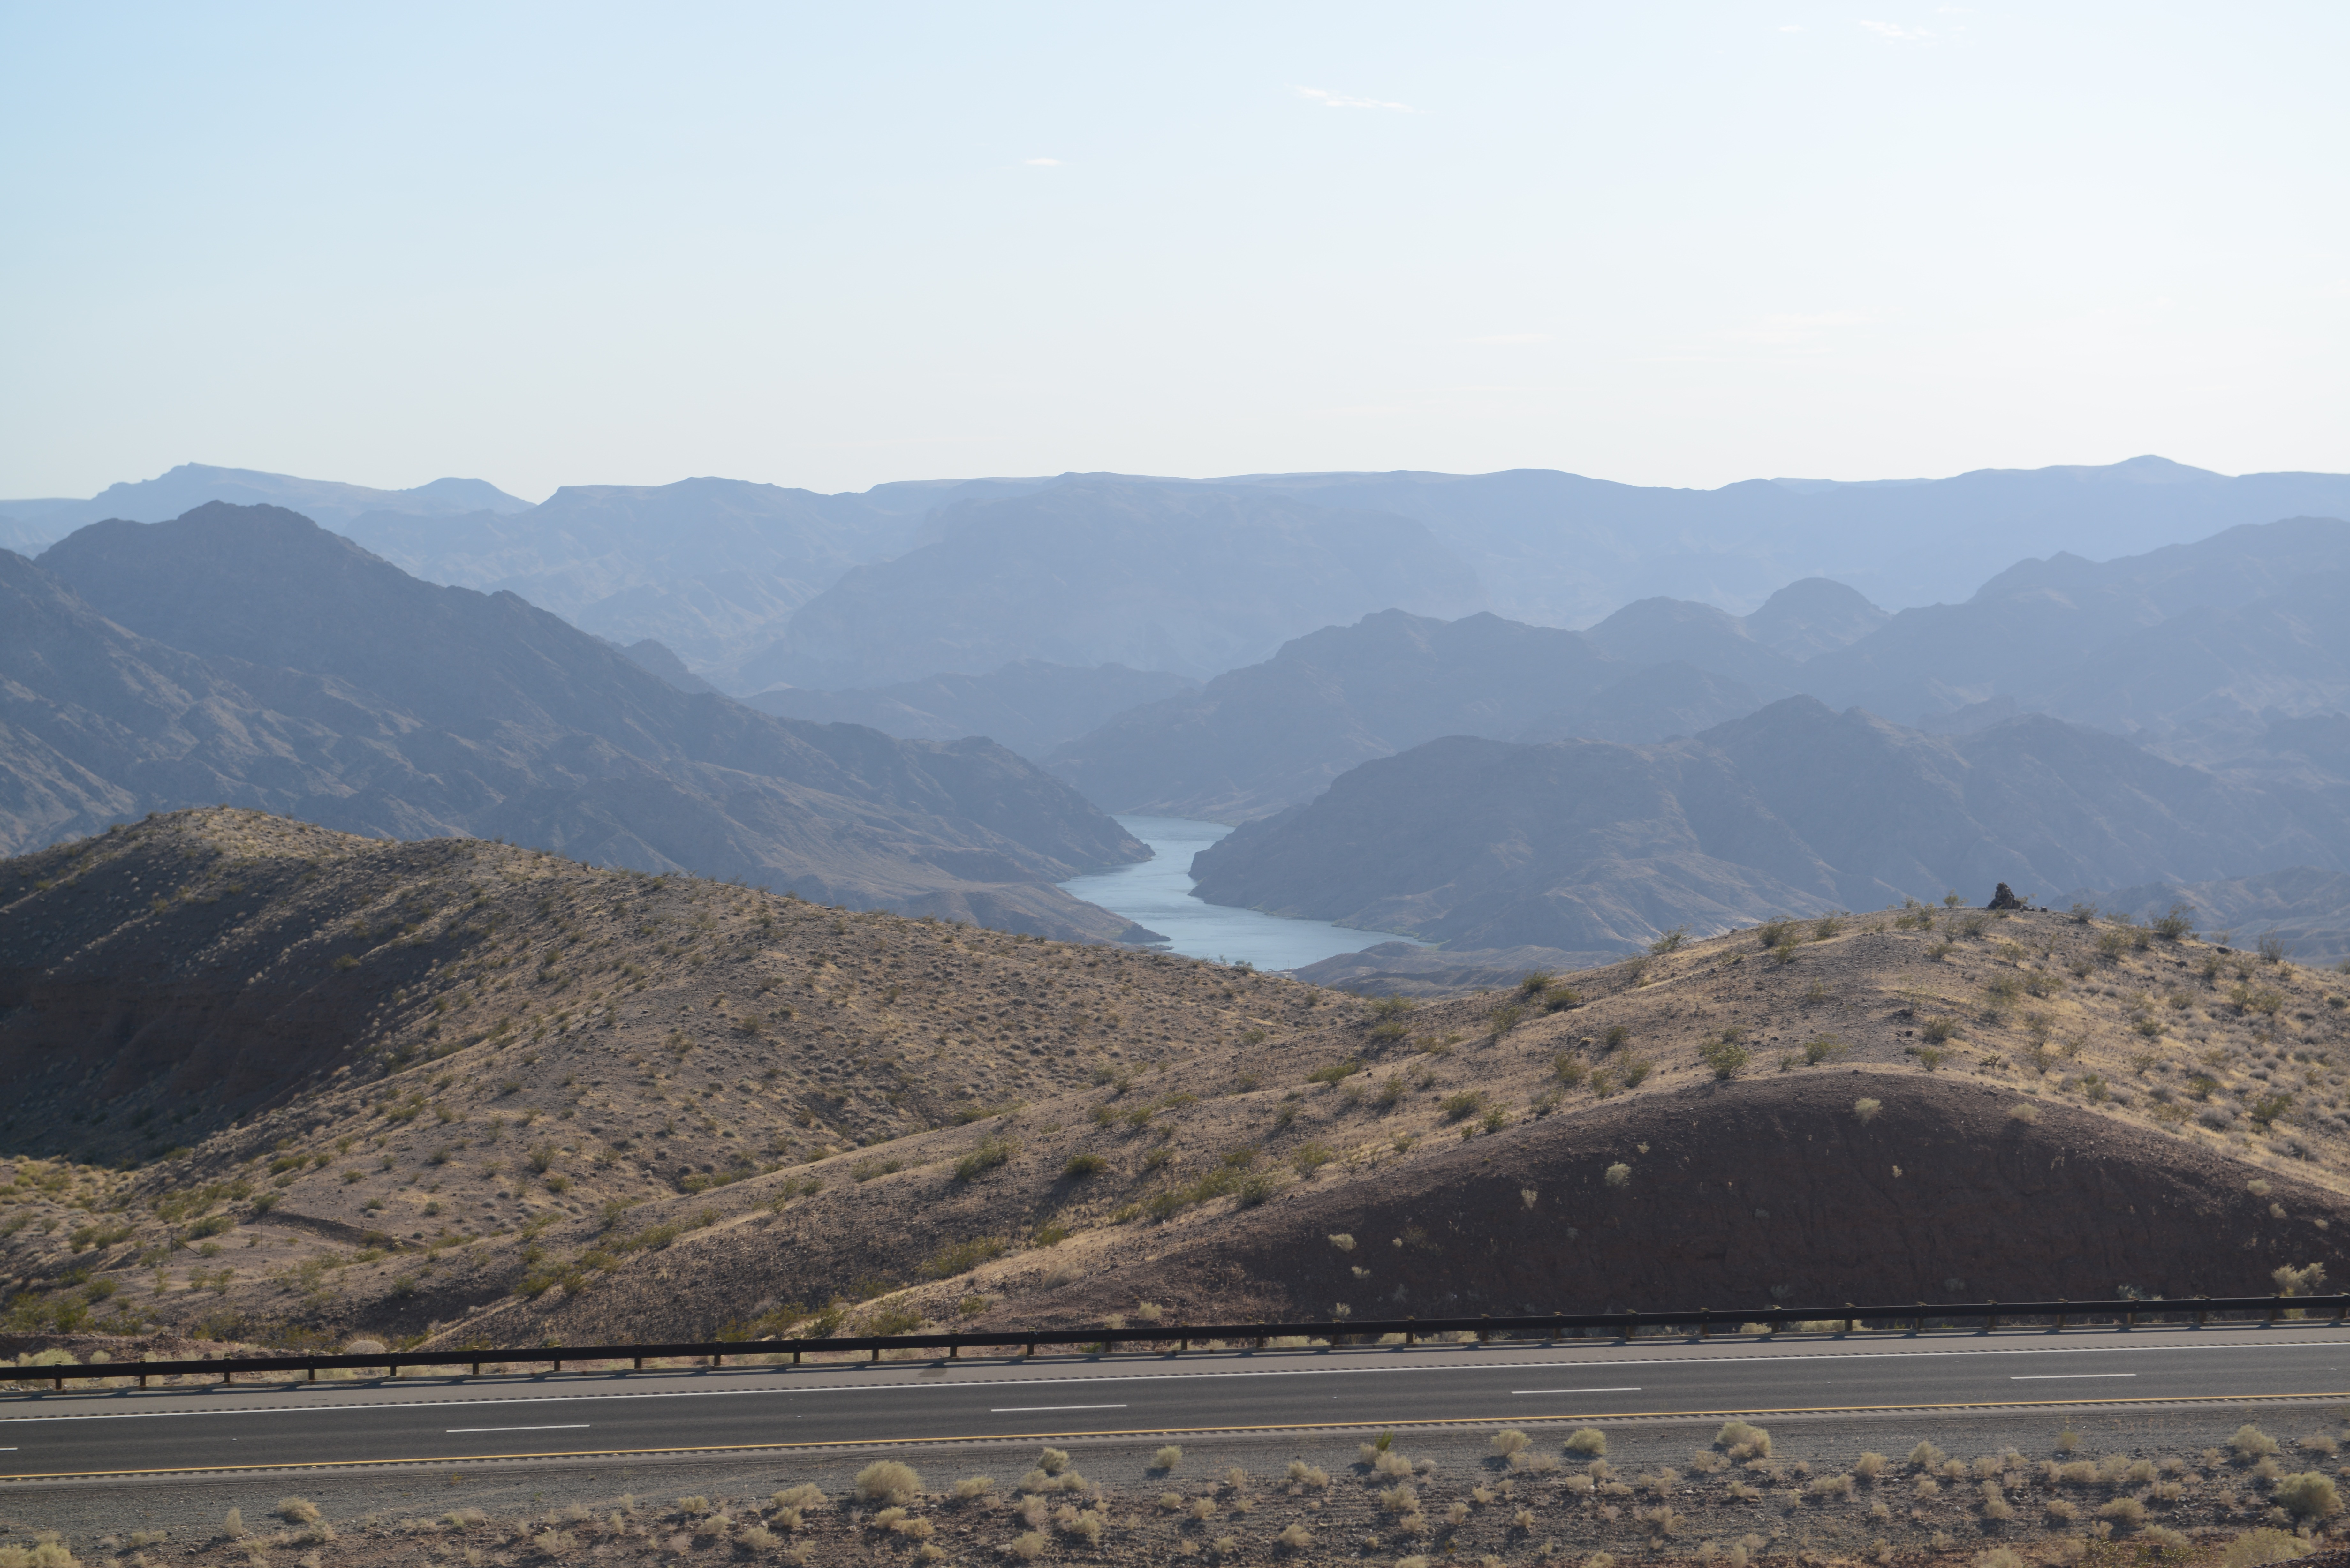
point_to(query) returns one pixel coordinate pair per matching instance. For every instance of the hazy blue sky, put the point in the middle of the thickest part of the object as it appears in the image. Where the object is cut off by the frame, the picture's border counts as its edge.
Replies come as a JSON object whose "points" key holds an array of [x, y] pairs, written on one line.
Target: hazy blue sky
{"points": [[830, 245]]}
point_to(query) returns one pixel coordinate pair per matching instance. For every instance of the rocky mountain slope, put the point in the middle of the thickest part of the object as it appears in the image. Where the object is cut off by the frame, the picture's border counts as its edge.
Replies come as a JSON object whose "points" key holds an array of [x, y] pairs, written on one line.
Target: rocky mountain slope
{"points": [[1030, 706], [1274, 734], [1189, 578], [542, 1099], [245, 655], [1562, 549], [1256, 739], [329, 501], [1584, 845]]}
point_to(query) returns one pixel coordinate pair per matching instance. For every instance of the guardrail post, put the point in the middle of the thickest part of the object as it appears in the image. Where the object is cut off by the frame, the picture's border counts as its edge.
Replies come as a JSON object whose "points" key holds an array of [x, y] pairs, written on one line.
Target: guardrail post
{"points": [[876, 1355], [312, 1370], [1183, 1343], [1848, 1319], [954, 1351], [1029, 1351], [1990, 1318], [226, 1377], [1631, 1326], [2339, 1305], [558, 1364], [2198, 1314], [1484, 1335], [2059, 1314], [716, 1360], [1705, 1322], [796, 1358], [1918, 1321], [142, 1380], [2273, 1310]]}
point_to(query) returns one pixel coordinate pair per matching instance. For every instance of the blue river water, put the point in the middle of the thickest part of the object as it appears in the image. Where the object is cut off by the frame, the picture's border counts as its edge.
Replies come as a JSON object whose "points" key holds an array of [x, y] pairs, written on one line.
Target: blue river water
{"points": [[1157, 893]]}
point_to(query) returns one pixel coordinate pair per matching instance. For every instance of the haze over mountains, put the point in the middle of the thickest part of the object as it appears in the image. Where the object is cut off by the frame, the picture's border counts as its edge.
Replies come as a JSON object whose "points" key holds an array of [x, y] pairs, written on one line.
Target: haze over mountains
{"points": [[243, 655], [718, 569], [1232, 649]]}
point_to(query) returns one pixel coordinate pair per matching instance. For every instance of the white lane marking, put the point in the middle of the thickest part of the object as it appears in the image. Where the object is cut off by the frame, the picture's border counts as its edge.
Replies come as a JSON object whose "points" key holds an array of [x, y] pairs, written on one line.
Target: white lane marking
{"points": [[1631, 1388], [1762, 1354], [2059, 1377], [566, 1427], [1031, 1409]]}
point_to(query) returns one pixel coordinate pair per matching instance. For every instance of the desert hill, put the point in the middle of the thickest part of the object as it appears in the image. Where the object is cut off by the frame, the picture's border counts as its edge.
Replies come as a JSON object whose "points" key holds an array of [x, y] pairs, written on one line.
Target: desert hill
{"points": [[247, 655], [548, 1099]]}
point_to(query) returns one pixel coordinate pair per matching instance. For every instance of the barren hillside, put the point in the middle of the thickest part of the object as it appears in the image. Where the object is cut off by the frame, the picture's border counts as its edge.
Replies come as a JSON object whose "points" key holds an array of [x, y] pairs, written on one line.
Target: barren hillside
{"points": [[459, 1089]]}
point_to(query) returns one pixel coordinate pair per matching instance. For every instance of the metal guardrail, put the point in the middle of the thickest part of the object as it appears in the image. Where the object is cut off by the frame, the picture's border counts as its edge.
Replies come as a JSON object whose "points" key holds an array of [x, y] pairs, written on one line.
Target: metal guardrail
{"points": [[1175, 1338]]}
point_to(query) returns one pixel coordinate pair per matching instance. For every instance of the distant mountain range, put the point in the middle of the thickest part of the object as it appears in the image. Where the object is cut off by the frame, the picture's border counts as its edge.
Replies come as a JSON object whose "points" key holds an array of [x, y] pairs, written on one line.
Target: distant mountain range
{"points": [[245, 656], [1191, 579], [753, 586], [329, 503], [1795, 810], [1274, 734], [1029, 705], [2233, 653]]}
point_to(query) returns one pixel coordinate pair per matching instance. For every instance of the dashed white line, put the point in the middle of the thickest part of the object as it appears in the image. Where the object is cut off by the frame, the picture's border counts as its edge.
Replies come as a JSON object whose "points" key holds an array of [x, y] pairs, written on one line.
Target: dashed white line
{"points": [[1634, 1388], [2063, 1376], [564, 1426], [1033, 1409]]}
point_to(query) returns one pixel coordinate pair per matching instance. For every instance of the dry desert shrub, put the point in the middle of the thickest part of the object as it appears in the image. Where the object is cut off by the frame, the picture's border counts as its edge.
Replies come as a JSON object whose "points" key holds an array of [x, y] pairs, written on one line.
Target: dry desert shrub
{"points": [[1589, 1442], [1167, 1459], [2254, 1548], [887, 1482], [2251, 1442], [2309, 1495]]}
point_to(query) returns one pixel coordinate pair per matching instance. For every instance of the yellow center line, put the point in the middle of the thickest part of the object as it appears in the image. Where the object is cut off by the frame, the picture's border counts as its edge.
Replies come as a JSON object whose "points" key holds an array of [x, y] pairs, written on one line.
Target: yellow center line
{"points": [[1515, 1417]]}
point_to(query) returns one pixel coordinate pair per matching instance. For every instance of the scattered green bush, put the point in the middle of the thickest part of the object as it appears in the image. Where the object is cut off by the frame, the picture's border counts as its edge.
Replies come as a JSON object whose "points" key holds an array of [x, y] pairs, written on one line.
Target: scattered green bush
{"points": [[991, 1153], [1723, 1056]]}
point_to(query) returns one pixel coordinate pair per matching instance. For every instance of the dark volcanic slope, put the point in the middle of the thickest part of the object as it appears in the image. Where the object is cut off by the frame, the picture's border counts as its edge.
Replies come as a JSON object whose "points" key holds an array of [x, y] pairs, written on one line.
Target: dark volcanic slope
{"points": [[1773, 1189], [1793, 810], [328, 684]]}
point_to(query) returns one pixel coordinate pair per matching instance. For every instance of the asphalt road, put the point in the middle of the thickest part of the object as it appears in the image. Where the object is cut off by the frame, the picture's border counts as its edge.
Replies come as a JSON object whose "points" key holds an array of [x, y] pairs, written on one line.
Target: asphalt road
{"points": [[439, 1420]]}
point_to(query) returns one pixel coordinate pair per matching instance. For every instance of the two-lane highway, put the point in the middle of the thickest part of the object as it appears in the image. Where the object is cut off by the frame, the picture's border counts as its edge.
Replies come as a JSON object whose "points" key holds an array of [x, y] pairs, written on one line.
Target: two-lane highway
{"points": [[420, 1420]]}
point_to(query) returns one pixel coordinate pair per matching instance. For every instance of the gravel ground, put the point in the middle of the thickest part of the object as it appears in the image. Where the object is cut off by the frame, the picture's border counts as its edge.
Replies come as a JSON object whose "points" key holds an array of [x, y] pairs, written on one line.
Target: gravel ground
{"points": [[1472, 1505]]}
